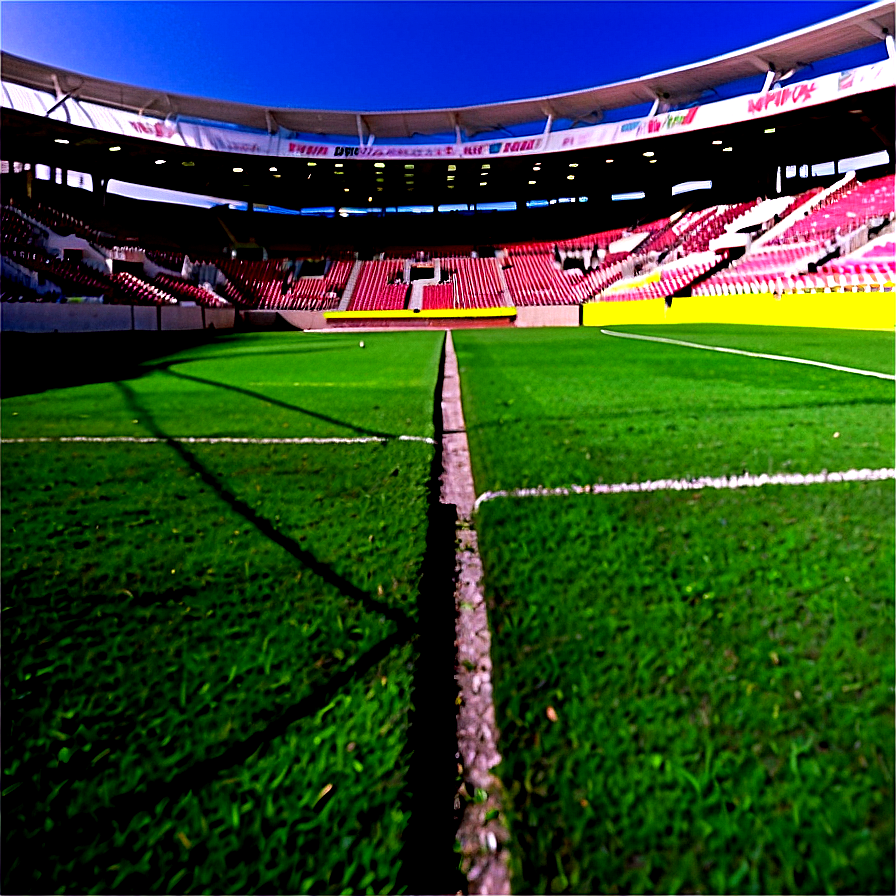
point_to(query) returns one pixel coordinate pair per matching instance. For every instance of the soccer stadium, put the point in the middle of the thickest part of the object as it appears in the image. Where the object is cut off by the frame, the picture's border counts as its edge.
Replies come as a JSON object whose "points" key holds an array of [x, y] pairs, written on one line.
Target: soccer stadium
{"points": [[486, 499]]}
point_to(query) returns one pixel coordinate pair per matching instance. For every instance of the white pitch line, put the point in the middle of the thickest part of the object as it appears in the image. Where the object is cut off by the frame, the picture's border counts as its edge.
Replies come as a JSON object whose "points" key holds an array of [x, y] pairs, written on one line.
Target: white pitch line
{"points": [[746, 480], [191, 440], [738, 351]]}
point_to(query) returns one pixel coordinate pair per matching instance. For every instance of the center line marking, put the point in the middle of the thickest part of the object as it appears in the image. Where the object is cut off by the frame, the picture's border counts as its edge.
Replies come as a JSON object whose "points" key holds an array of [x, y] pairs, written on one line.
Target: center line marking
{"points": [[738, 351], [216, 440]]}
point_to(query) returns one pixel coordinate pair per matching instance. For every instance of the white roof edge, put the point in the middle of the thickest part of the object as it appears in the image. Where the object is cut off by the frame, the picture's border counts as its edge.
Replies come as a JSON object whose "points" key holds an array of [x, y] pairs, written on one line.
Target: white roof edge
{"points": [[882, 6]]}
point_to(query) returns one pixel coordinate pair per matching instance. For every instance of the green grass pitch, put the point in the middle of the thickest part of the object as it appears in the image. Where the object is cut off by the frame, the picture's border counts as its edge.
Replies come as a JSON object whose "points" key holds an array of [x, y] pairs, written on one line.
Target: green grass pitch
{"points": [[694, 690], [214, 653], [211, 650]]}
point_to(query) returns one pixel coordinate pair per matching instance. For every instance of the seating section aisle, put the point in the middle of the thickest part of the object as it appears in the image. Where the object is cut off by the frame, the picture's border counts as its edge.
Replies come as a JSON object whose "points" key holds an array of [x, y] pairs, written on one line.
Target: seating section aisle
{"points": [[843, 211], [477, 280], [761, 270], [664, 282], [440, 296], [322, 293], [538, 280], [672, 256], [376, 288], [189, 292]]}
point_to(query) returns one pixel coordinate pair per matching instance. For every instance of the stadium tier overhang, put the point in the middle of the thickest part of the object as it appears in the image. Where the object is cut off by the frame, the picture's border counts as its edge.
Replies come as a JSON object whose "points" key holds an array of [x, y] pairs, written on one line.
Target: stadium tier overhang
{"points": [[254, 153]]}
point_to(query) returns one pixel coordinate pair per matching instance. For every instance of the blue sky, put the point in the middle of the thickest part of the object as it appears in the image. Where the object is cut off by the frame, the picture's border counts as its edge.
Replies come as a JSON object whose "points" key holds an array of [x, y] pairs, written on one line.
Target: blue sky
{"points": [[376, 55]]}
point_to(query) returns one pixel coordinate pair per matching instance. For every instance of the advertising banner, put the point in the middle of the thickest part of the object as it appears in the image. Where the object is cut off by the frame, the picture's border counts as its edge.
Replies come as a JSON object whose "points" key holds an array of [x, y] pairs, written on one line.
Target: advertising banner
{"points": [[172, 132]]}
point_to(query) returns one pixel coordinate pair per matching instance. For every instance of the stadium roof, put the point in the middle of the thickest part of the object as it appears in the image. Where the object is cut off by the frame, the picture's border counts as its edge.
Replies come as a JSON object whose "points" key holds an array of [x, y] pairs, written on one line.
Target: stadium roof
{"points": [[849, 32]]}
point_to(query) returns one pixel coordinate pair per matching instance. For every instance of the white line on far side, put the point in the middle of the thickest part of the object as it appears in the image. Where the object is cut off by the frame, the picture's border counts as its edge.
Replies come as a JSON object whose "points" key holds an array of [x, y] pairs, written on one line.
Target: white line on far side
{"points": [[738, 351], [221, 440], [746, 480]]}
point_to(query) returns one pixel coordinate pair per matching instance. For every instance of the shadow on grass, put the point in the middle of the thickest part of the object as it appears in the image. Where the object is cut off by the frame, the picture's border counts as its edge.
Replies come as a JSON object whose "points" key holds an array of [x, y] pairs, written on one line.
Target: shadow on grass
{"points": [[38, 362], [274, 401], [427, 862]]}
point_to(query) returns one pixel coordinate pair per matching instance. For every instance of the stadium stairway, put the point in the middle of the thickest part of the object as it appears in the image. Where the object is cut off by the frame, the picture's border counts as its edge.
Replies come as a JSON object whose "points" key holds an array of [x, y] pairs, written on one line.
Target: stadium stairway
{"points": [[350, 286]]}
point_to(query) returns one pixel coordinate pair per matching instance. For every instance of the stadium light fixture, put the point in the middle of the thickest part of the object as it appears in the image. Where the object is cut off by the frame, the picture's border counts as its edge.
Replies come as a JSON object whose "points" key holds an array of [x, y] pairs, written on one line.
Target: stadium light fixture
{"points": [[769, 131], [59, 140], [573, 164], [272, 169], [533, 182], [483, 183], [379, 164], [237, 170], [188, 164], [485, 166], [345, 190], [114, 149], [452, 167], [338, 165], [570, 177], [716, 142], [728, 149], [278, 175], [450, 177], [648, 155], [688, 187], [160, 161], [608, 161], [621, 197], [409, 166], [653, 161]]}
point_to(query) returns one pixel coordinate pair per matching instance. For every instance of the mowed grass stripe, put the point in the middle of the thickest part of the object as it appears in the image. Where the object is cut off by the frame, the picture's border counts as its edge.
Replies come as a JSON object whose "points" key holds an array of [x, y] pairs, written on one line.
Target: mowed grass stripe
{"points": [[695, 691], [206, 391], [546, 408], [748, 354]]}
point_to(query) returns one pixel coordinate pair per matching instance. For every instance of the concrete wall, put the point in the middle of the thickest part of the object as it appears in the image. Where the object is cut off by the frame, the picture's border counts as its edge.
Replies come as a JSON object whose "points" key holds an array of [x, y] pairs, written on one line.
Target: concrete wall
{"points": [[304, 320], [220, 318], [548, 316], [34, 317], [175, 317]]}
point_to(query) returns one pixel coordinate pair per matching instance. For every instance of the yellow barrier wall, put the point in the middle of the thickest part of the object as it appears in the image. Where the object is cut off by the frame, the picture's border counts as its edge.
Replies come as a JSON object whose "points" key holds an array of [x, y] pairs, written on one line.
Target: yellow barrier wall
{"points": [[429, 312], [834, 310]]}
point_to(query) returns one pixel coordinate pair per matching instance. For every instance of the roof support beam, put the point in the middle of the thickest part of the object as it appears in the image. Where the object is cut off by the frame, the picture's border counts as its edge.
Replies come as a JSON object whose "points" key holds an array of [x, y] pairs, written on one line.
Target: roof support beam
{"points": [[549, 121], [891, 47], [148, 104], [455, 121], [60, 101], [359, 119]]}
